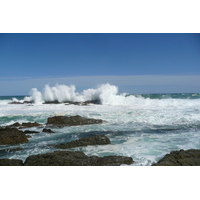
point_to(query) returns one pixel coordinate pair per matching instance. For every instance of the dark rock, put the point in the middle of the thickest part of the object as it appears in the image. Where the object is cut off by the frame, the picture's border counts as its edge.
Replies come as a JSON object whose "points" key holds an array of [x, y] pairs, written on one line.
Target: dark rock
{"points": [[46, 130], [30, 124], [71, 121], [15, 125], [24, 102], [182, 157], [92, 140], [24, 125], [85, 103], [75, 158], [30, 132], [51, 102], [11, 162], [12, 136]]}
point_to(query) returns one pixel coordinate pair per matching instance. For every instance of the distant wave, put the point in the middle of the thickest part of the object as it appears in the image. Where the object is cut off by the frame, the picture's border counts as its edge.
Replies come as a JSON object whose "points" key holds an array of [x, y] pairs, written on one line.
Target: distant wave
{"points": [[108, 94]]}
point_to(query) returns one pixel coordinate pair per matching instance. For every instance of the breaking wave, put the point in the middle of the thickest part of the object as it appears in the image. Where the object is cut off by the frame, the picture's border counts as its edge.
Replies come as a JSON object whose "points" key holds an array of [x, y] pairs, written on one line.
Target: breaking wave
{"points": [[63, 93]]}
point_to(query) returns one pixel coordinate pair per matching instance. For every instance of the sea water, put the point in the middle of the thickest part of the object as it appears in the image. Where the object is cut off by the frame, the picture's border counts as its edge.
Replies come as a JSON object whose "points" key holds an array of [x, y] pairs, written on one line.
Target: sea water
{"points": [[143, 126]]}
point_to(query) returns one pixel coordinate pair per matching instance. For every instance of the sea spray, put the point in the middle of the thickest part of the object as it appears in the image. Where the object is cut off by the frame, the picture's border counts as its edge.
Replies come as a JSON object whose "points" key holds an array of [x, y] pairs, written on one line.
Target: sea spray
{"points": [[105, 93], [145, 127]]}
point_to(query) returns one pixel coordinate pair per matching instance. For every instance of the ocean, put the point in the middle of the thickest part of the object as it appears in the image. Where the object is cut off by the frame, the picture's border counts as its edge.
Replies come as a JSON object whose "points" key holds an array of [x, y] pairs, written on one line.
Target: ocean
{"points": [[143, 126]]}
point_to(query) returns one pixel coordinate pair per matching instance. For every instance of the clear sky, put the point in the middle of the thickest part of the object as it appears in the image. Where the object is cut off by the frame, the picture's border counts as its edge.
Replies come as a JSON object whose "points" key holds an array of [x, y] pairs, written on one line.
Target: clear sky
{"points": [[136, 63]]}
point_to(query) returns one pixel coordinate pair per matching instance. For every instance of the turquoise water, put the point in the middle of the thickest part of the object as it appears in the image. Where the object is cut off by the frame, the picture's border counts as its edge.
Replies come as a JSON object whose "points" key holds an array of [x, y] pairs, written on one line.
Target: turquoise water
{"points": [[143, 126]]}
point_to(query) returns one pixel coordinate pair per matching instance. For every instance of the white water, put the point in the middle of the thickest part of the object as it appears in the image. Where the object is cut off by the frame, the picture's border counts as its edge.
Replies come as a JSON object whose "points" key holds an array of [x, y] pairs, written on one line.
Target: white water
{"points": [[145, 129]]}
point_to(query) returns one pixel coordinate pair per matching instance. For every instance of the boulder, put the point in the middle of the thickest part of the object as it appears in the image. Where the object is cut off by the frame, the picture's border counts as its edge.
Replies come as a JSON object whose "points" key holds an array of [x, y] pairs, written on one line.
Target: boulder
{"points": [[12, 136], [46, 130], [75, 158], [92, 140], [72, 121], [182, 157], [11, 162]]}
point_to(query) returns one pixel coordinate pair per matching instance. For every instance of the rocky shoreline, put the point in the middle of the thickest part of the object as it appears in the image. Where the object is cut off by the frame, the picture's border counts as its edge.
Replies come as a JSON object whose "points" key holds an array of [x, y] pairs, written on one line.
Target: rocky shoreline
{"points": [[13, 134]]}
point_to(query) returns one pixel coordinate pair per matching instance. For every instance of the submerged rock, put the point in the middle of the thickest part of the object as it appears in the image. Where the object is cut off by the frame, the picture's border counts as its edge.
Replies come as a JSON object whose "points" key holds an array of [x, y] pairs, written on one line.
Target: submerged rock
{"points": [[30, 132], [92, 140], [11, 162], [12, 136], [72, 121], [75, 158], [46, 130], [182, 157]]}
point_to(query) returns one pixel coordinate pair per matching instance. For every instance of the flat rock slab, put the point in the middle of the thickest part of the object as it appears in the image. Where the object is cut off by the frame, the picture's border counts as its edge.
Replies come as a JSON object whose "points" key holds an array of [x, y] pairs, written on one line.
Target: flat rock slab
{"points": [[72, 121], [75, 158], [182, 157], [92, 140], [11, 162], [12, 136]]}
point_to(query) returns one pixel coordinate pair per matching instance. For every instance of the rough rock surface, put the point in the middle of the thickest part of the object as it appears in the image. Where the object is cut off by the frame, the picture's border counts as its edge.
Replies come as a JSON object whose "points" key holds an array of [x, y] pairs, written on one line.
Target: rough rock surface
{"points": [[30, 132], [75, 158], [11, 162], [72, 121], [92, 140], [182, 157], [12, 136], [46, 130], [24, 125]]}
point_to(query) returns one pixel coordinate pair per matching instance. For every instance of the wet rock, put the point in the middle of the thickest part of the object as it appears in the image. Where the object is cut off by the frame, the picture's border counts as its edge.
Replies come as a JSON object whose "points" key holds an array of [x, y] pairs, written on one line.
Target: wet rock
{"points": [[182, 157], [92, 140], [12, 136], [51, 102], [30, 124], [24, 102], [11, 162], [72, 121], [75, 158], [30, 132], [85, 103], [46, 130], [24, 125]]}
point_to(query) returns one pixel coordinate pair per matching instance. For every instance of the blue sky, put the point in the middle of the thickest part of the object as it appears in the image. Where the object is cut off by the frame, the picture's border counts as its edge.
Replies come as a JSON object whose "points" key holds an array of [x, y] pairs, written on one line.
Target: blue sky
{"points": [[136, 63]]}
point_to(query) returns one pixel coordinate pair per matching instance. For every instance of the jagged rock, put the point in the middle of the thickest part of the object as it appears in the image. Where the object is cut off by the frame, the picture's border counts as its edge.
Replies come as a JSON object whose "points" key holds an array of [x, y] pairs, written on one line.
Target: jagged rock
{"points": [[71, 121], [24, 102], [25, 125], [92, 140], [182, 157], [85, 103], [75, 158], [11, 162], [46, 130], [12, 136], [30, 132]]}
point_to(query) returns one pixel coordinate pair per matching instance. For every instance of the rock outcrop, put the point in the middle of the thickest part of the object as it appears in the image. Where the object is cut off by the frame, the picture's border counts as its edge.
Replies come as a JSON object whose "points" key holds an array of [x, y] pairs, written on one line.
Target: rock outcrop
{"points": [[12, 136], [182, 157], [46, 130], [75, 158], [24, 125], [72, 121], [11, 162], [92, 140]]}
